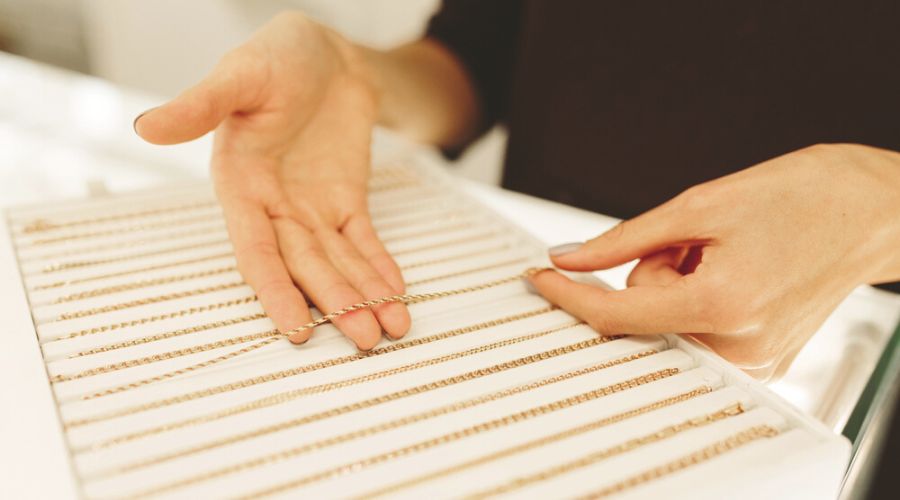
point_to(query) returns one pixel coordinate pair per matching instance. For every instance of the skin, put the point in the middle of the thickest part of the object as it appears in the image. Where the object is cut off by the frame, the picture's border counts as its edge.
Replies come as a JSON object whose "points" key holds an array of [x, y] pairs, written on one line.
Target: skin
{"points": [[749, 264]]}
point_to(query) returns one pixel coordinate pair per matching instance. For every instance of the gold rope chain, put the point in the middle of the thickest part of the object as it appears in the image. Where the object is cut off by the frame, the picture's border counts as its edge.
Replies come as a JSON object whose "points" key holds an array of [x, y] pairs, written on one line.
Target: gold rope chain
{"points": [[413, 298], [76, 264], [39, 225], [597, 456], [543, 441], [278, 398], [331, 386], [418, 447], [155, 267], [157, 317], [114, 245], [128, 229], [134, 285], [386, 398], [703, 455]]}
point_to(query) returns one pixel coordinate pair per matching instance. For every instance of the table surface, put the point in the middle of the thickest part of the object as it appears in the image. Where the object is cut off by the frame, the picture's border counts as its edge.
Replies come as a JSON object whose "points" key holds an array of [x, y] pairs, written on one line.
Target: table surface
{"points": [[69, 135]]}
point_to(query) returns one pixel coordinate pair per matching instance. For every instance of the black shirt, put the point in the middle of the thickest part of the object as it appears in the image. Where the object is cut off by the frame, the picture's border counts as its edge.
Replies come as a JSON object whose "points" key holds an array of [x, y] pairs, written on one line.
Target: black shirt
{"points": [[618, 106]]}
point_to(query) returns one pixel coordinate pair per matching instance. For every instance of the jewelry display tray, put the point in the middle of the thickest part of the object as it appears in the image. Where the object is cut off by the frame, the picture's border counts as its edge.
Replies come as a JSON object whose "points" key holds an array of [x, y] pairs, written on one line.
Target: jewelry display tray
{"points": [[644, 415]]}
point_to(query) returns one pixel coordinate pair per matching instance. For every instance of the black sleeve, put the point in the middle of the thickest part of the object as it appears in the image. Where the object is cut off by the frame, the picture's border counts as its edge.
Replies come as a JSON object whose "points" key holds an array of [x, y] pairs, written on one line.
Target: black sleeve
{"points": [[483, 34]]}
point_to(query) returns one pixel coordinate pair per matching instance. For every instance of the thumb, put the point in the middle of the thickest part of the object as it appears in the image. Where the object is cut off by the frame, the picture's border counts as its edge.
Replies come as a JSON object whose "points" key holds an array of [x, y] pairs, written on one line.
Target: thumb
{"points": [[650, 232], [195, 111]]}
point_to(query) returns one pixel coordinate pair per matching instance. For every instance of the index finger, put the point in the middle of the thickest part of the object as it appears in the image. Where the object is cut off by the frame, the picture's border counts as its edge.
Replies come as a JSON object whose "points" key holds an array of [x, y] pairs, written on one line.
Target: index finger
{"points": [[261, 265], [635, 310]]}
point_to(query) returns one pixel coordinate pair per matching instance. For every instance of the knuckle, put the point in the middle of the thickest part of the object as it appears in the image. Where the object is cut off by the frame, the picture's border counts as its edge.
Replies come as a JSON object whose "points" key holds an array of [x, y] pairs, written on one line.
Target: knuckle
{"points": [[697, 198]]}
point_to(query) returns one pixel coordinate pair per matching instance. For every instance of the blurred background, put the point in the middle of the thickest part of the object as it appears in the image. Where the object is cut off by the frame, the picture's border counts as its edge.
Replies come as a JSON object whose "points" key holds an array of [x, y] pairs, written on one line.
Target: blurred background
{"points": [[159, 47]]}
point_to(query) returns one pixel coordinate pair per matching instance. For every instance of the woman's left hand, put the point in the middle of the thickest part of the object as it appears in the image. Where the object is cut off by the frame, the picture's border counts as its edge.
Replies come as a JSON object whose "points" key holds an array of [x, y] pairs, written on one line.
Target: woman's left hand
{"points": [[750, 264]]}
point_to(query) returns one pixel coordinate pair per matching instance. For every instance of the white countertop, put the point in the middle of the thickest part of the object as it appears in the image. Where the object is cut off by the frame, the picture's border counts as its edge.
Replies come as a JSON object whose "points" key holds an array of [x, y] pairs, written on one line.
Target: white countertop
{"points": [[64, 134]]}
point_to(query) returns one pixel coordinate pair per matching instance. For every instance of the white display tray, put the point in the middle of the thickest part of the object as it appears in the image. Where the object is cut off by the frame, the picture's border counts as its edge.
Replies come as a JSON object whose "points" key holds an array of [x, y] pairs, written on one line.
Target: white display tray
{"points": [[32, 428]]}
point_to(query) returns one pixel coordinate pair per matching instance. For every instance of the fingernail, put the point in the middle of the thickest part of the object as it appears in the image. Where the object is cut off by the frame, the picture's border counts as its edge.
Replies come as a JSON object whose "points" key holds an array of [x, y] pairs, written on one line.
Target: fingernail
{"points": [[138, 117], [529, 286], [563, 249]]}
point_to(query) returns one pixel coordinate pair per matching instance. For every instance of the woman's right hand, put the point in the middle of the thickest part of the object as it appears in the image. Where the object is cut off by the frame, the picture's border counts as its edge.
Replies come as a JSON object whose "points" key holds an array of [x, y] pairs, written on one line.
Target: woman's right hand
{"points": [[293, 111]]}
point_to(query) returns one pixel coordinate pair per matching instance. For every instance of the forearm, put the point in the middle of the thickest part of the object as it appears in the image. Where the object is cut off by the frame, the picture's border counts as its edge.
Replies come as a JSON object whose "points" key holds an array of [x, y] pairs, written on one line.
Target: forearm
{"points": [[425, 93]]}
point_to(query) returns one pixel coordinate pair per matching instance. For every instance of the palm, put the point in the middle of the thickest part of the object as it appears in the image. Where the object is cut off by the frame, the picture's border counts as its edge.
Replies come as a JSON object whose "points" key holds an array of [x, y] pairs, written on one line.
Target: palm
{"points": [[290, 165]]}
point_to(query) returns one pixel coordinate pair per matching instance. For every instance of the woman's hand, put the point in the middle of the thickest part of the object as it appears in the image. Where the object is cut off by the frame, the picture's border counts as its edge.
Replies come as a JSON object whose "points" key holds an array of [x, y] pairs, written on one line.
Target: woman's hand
{"points": [[293, 110], [750, 264]]}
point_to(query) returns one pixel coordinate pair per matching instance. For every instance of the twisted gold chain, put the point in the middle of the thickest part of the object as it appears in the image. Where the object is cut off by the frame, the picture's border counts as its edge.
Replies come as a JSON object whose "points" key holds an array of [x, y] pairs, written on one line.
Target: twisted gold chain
{"points": [[451, 258], [465, 272], [134, 285], [127, 229], [117, 274], [703, 455], [442, 244], [158, 317], [39, 225], [168, 335], [597, 456], [412, 391], [327, 387], [64, 266], [191, 396], [148, 300], [421, 446], [537, 443], [431, 231], [173, 236]]}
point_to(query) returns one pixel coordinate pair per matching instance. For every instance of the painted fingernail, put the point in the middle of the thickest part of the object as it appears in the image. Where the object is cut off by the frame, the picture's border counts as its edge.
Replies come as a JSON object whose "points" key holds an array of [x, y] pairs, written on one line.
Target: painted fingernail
{"points": [[564, 249], [529, 286], [138, 117]]}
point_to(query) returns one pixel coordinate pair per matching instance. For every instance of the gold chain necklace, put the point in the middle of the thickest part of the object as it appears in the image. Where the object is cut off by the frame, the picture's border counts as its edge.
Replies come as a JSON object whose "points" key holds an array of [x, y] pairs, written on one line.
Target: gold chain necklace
{"points": [[597, 456], [158, 317], [537, 443], [134, 285], [431, 231], [64, 266], [127, 229], [148, 300], [327, 318], [117, 274], [704, 454], [404, 344], [322, 388], [418, 447], [518, 260], [368, 403], [173, 236], [451, 258], [168, 335], [441, 244], [386, 210], [421, 218], [39, 225]]}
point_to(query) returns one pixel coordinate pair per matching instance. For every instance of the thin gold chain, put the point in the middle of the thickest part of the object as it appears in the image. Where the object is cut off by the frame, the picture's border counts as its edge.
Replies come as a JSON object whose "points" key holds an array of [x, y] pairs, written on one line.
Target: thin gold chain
{"points": [[421, 446], [412, 391], [703, 455], [421, 218], [391, 186], [117, 274], [39, 225], [537, 443], [327, 318], [437, 200], [451, 258], [127, 229], [327, 387], [163, 356], [597, 456], [148, 300], [158, 317], [173, 236], [134, 285], [441, 244], [431, 231], [168, 335], [465, 272], [77, 264], [210, 391]]}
